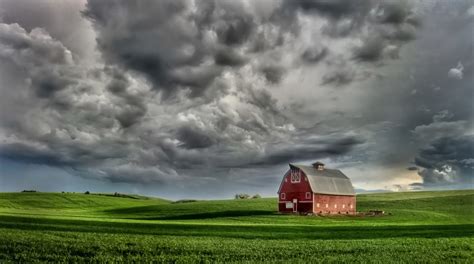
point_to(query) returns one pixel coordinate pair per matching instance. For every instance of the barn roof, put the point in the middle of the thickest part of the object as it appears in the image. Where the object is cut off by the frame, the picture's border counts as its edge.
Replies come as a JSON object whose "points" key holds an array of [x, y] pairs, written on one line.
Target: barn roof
{"points": [[327, 181]]}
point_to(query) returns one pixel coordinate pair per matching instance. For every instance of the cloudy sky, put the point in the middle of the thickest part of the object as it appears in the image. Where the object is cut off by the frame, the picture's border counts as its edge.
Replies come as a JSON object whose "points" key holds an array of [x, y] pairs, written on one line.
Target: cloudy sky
{"points": [[205, 99]]}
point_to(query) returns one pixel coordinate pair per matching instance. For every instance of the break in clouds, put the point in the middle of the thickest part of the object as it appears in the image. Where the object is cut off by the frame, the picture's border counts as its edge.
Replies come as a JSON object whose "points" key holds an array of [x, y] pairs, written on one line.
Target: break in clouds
{"points": [[227, 92]]}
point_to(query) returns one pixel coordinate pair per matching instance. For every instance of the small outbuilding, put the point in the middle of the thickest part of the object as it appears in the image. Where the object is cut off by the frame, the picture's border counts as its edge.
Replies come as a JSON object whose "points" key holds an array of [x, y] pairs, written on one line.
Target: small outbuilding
{"points": [[316, 189]]}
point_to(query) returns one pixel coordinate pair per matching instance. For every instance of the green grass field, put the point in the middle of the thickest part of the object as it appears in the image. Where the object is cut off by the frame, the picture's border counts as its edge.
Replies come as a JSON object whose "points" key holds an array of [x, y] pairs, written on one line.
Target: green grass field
{"points": [[436, 227]]}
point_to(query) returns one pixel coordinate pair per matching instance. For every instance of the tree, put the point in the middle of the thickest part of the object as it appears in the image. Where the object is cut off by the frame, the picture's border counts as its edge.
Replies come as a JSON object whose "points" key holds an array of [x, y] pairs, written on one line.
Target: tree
{"points": [[242, 196]]}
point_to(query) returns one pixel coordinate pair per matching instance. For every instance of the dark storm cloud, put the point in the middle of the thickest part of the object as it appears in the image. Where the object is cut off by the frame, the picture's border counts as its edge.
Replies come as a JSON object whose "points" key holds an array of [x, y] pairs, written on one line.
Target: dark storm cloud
{"points": [[273, 74], [194, 138], [229, 57], [310, 149], [236, 30], [133, 107], [31, 154], [383, 44], [170, 42], [334, 9], [395, 12], [447, 160], [339, 77], [230, 70], [314, 55], [62, 20], [179, 45], [45, 61], [370, 50], [162, 26]]}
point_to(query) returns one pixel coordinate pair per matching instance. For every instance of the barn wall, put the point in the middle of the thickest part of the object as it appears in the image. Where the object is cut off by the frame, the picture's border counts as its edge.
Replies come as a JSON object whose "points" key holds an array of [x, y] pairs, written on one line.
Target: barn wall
{"points": [[295, 191], [336, 204]]}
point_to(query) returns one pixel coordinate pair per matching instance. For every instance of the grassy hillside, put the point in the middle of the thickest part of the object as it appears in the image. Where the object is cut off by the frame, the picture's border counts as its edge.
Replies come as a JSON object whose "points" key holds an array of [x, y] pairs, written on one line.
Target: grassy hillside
{"points": [[405, 208], [427, 226]]}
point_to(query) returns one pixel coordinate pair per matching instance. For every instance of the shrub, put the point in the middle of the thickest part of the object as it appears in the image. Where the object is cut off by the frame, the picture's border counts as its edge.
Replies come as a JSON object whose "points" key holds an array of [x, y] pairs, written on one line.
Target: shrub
{"points": [[256, 196], [28, 191], [242, 196], [87, 192], [185, 201]]}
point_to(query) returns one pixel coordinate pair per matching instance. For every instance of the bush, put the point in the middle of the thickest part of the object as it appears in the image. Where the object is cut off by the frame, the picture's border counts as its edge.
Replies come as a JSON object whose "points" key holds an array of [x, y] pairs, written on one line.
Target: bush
{"points": [[256, 196], [185, 201], [242, 196], [87, 192], [28, 191]]}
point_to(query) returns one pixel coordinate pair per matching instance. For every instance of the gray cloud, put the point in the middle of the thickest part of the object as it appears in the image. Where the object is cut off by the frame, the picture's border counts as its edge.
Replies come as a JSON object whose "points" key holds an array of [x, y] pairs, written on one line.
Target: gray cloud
{"points": [[395, 12], [186, 46], [310, 149], [195, 91], [446, 154], [192, 138], [370, 50], [339, 77], [229, 58], [273, 74], [314, 54], [447, 161], [334, 9], [457, 72]]}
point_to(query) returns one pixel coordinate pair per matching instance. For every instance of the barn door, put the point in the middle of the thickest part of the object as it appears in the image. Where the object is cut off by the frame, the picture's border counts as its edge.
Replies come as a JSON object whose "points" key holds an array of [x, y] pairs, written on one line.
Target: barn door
{"points": [[295, 205]]}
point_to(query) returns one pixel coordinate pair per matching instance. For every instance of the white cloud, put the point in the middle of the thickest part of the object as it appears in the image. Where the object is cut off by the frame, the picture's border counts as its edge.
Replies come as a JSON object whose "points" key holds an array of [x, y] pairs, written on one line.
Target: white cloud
{"points": [[457, 72]]}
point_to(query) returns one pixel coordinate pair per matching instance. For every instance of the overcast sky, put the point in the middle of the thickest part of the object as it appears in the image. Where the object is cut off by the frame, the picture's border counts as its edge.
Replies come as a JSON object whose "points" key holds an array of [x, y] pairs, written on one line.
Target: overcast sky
{"points": [[205, 99]]}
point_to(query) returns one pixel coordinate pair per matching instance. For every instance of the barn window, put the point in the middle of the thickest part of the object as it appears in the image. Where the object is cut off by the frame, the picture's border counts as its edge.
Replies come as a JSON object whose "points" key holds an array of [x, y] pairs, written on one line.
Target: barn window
{"points": [[351, 206], [335, 206], [327, 205], [283, 196], [317, 205], [308, 195], [295, 175], [343, 206]]}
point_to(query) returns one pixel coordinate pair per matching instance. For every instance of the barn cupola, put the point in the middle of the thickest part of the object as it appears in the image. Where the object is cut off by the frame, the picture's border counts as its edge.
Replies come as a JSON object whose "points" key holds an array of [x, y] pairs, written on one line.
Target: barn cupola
{"points": [[318, 165]]}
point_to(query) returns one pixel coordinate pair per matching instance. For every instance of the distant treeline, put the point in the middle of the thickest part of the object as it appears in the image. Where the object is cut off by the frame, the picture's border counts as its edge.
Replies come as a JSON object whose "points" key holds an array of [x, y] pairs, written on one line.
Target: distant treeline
{"points": [[246, 196]]}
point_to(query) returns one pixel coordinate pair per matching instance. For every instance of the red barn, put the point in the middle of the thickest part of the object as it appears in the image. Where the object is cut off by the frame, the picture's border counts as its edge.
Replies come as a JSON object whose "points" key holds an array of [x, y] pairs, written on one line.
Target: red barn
{"points": [[316, 189]]}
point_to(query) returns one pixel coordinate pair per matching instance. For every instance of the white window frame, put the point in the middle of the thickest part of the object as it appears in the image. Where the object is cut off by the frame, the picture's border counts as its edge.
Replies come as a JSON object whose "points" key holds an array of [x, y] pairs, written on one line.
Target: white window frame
{"points": [[343, 206], [335, 206], [308, 195], [351, 206], [295, 176], [317, 205], [283, 196], [327, 205]]}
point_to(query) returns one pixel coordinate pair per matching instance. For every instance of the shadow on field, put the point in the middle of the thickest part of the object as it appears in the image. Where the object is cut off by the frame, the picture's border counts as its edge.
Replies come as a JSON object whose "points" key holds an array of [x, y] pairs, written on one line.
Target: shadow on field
{"points": [[153, 212], [236, 231], [210, 215], [134, 210]]}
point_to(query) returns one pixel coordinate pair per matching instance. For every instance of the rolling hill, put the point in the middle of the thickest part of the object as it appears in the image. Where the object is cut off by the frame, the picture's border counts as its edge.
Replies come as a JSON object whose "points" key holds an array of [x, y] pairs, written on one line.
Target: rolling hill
{"points": [[100, 227]]}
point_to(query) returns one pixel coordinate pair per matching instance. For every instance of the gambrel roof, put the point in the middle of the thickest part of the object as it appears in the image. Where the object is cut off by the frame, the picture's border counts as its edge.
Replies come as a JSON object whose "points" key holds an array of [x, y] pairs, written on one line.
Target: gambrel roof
{"points": [[327, 181]]}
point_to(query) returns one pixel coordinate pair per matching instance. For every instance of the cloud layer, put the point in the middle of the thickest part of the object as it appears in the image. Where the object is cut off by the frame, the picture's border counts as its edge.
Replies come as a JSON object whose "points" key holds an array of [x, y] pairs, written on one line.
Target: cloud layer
{"points": [[194, 91]]}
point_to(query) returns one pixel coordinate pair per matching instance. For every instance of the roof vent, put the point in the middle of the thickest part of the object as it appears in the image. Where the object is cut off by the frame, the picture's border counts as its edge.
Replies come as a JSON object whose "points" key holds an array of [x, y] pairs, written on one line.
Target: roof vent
{"points": [[318, 165]]}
